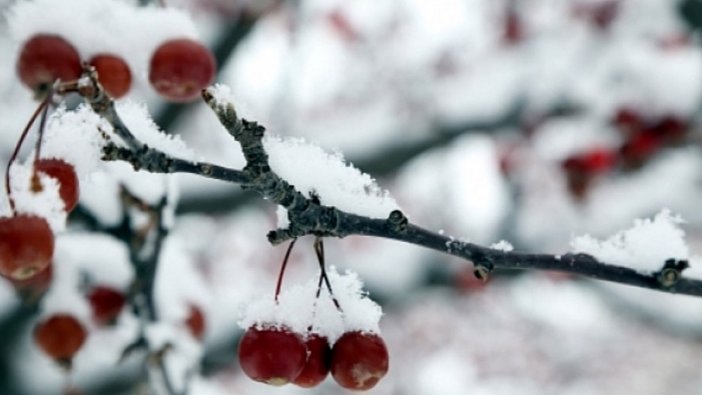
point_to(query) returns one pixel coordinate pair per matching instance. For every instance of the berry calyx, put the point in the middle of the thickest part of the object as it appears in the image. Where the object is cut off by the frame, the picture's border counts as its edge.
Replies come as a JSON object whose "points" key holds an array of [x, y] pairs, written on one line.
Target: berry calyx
{"points": [[113, 74], [35, 286], [26, 246], [45, 58], [181, 68], [60, 336], [318, 362], [196, 322], [359, 360], [272, 355], [106, 304], [66, 177]]}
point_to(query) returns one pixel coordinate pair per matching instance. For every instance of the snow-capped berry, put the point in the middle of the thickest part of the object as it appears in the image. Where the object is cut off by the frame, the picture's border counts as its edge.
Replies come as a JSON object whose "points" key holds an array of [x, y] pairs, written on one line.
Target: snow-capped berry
{"points": [[26, 246], [359, 360], [60, 336], [67, 179], [318, 362], [181, 68], [113, 74], [272, 355], [45, 58]]}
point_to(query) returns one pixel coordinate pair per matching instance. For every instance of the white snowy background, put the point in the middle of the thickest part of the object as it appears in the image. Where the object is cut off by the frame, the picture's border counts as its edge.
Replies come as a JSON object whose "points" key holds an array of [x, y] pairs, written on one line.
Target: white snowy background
{"points": [[361, 79]]}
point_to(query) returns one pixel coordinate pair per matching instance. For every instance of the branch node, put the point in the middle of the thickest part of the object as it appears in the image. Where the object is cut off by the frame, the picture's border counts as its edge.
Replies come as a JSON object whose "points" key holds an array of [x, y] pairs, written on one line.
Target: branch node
{"points": [[671, 272], [206, 169], [397, 221]]}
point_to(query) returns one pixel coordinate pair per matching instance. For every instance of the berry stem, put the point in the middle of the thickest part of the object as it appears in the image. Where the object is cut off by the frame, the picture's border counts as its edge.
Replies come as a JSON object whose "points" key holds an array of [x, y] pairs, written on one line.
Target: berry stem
{"points": [[279, 285], [36, 185], [44, 103], [319, 250]]}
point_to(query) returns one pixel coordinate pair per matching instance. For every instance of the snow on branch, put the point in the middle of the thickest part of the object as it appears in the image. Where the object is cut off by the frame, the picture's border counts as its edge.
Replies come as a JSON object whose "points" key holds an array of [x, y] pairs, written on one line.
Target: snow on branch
{"points": [[643, 247], [312, 215]]}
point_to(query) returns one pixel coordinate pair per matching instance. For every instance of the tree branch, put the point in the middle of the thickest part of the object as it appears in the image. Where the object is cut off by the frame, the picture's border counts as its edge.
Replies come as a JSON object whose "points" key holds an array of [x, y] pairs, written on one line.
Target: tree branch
{"points": [[308, 217]]}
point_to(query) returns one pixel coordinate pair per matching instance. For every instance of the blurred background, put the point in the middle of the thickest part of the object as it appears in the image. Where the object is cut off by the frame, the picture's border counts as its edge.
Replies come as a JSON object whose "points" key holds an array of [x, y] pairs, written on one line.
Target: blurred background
{"points": [[522, 120]]}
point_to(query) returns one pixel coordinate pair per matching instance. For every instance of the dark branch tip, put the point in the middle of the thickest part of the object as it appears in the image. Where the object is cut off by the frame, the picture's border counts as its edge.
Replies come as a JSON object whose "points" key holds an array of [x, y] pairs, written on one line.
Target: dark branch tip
{"points": [[482, 272], [207, 95]]}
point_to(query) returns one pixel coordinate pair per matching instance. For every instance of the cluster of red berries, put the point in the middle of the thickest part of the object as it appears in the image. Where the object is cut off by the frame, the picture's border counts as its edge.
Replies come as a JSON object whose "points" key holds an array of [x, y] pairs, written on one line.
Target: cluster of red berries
{"points": [[62, 335], [642, 138], [276, 355], [179, 68], [27, 241]]}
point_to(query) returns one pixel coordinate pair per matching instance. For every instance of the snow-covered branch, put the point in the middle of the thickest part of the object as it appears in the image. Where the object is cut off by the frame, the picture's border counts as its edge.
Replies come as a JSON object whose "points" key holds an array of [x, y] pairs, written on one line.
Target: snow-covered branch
{"points": [[307, 216]]}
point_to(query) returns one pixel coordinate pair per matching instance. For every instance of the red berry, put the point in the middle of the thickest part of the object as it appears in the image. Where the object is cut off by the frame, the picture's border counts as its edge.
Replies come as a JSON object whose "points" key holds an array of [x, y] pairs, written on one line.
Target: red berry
{"points": [[106, 304], [670, 128], [196, 322], [274, 356], [113, 73], [60, 336], [639, 148], [603, 14], [590, 162], [600, 14], [513, 29], [45, 58], [66, 177], [180, 69], [318, 362], [629, 121], [26, 246], [342, 26], [359, 360], [581, 169]]}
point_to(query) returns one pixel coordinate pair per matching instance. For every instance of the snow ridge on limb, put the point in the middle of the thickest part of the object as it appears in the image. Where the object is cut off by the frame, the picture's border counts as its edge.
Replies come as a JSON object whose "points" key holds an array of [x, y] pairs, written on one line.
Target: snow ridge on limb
{"points": [[308, 216]]}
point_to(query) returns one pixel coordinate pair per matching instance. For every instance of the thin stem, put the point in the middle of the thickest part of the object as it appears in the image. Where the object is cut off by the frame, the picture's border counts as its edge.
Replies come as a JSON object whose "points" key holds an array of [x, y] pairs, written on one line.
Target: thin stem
{"points": [[36, 185], [319, 250], [42, 125], [279, 285], [44, 103]]}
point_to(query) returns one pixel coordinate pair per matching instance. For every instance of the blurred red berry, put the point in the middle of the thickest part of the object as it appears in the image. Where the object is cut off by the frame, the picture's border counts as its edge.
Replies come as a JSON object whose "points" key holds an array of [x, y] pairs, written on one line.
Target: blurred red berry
{"points": [[106, 304], [196, 322], [44, 58], [66, 177], [60, 336], [513, 27], [629, 121], [26, 246], [113, 74], [181, 68]]}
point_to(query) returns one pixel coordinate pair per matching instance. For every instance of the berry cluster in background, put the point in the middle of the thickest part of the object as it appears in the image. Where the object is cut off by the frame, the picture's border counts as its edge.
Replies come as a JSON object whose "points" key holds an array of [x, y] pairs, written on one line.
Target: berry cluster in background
{"points": [[178, 66]]}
